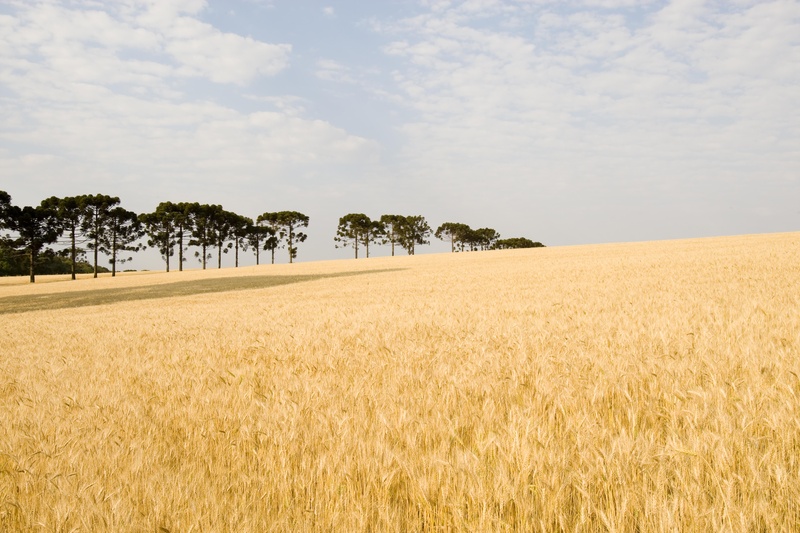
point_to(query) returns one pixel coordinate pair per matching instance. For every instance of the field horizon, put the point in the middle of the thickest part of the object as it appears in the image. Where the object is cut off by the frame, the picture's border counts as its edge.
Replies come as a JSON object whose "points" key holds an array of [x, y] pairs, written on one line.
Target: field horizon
{"points": [[642, 386]]}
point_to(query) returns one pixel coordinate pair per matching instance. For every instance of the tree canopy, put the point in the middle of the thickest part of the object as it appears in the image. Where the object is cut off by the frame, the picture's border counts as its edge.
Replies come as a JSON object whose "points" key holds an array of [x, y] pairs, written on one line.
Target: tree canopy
{"points": [[390, 225], [123, 232], [98, 223], [288, 223], [413, 230], [35, 228], [355, 229], [517, 242]]}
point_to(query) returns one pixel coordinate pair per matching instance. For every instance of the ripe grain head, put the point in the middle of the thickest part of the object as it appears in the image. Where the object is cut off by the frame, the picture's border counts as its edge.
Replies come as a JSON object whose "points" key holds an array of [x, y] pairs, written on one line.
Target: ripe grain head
{"points": [[648, 387]]}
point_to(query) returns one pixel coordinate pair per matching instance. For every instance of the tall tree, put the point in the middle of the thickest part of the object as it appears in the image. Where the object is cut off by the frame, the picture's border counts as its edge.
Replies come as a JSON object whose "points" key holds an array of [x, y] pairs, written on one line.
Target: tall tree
{"points": [[373, 234], [353, 230], [71, 213], [35, 228], [486, 238], [414, 230], [159, 227], [273, 242], [259, 236], [289, 223], [182, 222], [452, 231], [5, 205], [390, 226], [222, 228], [204, 229], [123, 231], [241, 231], [95, 222], [7, 253]]}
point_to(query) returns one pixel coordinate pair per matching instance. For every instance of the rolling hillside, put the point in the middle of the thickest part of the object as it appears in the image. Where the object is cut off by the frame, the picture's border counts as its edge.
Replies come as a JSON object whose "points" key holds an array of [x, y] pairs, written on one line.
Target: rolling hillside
{"points": [[623, 387]]}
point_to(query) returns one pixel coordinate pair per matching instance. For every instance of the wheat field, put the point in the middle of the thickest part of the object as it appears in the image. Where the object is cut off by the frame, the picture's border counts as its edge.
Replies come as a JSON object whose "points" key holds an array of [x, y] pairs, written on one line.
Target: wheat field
{"points": [[624, 387]]}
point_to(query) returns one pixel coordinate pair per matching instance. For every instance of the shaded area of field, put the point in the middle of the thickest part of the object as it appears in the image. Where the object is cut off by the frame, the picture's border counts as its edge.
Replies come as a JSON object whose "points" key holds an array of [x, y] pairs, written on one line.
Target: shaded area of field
{"points": [[63, 300]]}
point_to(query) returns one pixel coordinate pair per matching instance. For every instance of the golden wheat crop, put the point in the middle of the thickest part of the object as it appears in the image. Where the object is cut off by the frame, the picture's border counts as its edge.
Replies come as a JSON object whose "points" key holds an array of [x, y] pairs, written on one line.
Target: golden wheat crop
{"points": [[630, 387]]}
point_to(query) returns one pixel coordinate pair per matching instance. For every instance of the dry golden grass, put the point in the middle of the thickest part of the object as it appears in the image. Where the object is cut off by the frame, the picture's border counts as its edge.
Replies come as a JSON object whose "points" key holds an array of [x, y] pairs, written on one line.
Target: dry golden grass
{"points": [[631, 387]]}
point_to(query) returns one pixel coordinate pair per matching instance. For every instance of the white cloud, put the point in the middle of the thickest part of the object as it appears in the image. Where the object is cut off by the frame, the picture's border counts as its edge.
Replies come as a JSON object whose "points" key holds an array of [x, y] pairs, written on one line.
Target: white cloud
{"points": [[202, 50], [100, 91], [329, 11], [330, 70], [656, 87], [95, 45], [661, 104]]}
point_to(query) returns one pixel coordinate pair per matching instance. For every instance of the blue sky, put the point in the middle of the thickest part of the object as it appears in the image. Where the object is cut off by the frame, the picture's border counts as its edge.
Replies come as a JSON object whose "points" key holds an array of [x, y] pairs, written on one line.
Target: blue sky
{"points": [[568, 122]]}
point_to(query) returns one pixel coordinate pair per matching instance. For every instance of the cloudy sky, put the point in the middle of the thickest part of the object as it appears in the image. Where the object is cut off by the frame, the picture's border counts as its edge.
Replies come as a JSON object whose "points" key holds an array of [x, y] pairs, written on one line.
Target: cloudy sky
{"points": [[569, 122]]}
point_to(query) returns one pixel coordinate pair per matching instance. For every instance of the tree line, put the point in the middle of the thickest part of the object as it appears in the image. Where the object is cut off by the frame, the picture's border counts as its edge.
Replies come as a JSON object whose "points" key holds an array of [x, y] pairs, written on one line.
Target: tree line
{"points": [[358, 230], [97, 223]]}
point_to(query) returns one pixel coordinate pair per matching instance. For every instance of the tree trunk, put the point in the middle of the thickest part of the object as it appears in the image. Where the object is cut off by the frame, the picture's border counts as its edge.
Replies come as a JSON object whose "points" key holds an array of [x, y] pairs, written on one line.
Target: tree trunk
{"points": [[96, 241], [291, 254], [72, 234], [180, 250], [273, 255], [114, 255], [32, 257], [95, 258]]}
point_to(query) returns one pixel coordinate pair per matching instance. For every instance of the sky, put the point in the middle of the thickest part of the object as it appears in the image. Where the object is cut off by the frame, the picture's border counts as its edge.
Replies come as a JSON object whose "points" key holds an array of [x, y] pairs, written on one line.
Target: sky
{"points": [[567, 122]]}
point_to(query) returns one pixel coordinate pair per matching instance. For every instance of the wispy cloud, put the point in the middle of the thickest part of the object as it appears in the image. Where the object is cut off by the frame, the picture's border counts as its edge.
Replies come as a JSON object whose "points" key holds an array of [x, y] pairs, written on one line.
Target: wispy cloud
{"points": [[96, 94], [608, 96], [330, 70], [586, 120]]}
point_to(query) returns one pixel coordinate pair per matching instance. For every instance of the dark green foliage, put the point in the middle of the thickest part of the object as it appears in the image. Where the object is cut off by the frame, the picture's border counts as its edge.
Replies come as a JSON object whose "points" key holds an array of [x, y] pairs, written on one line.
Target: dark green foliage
{"points": [[5, 205], [33, 229], [97, 208], [182, 218], [390, 229], [261, 237], [357, 228], [71, 212], [272, 241], [462, 237], [413, 230], [204, 218], [159, 227], [288, 224], [240, 230], [455, 232], [222, 229], [123, 231], [16, 263], [12, 263], [517, 242], [25, 253], [479, 239], [98, 222]]}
